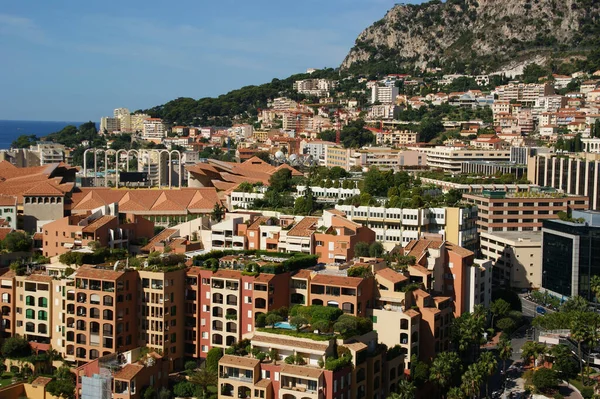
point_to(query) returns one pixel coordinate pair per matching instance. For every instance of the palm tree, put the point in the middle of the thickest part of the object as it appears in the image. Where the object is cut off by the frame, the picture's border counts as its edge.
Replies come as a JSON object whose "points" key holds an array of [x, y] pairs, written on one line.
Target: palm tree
{"points": [[505, 351], [443, 367], [580, 332], [455, 393], [532, 350], [204, 379], [406, 390], [595, 287], [488, 365], [471, 381]]}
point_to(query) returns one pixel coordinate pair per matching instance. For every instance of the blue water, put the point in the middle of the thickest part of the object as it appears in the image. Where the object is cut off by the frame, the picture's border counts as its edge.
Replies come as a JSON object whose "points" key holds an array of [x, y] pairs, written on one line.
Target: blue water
{"points": [[285, 325], [10, 130]]}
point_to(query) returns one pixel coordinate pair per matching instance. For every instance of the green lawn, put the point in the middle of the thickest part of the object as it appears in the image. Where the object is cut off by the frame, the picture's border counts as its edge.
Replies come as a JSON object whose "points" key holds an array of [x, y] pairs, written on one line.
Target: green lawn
{"points": [[5, 379]]}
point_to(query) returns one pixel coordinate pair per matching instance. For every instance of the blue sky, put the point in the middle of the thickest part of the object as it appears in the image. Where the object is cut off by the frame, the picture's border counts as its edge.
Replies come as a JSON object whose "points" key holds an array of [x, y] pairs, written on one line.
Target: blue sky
{"points": [[78, 60]]}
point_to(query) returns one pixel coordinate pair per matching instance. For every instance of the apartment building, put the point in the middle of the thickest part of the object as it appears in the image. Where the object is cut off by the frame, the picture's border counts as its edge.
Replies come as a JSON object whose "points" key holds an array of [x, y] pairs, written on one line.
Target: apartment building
{"points": [[104, 225], [8, 303], [454, 272], [521, 211], [316, 148], [516, 257], [122, 375], [109, 125], [101, 314], [315, 87], [159, 301], [8, 211], [524, 93], [33, 299], [398, 226], [154, 129], [337, 242], [450, 159], [569, 258], [371, 374], [386, 158], [338, 156], [576, 174], [397, 138], [384, 94], [591, 144]]}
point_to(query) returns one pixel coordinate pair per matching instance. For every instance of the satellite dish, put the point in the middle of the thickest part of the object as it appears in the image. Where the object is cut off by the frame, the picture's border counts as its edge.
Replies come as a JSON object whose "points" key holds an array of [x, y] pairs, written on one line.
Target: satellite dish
{"points": [[293, 157], [279, 155]]}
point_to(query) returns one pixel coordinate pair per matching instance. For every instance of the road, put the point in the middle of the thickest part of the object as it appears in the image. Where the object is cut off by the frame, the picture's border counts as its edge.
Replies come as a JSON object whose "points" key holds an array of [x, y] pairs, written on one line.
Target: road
{"points": [[529, 308]]}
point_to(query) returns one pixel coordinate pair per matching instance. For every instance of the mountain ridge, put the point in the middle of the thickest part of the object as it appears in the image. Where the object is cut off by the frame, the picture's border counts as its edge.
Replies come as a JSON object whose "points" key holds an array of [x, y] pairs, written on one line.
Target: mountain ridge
{"points": [[480, 36]]}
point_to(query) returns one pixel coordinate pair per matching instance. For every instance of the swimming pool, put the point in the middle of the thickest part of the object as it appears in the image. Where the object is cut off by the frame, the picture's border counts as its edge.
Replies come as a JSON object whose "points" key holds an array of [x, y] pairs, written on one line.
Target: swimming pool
{"points": [[285, 325]]}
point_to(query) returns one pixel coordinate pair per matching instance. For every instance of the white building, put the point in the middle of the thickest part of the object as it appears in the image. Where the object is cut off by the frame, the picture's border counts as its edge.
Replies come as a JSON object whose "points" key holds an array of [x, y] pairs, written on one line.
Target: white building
{"points": [[109, 125], [451, 158], [154, 129], [384, 94], [591, 144], [316, 148]]}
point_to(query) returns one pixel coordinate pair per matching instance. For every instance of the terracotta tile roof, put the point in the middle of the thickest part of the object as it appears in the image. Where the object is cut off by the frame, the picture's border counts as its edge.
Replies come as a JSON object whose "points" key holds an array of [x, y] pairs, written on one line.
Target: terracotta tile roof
{"points": [[257, 222], [336, 212], [8, 200], [304, 228], [391, 275], [417, 248], [160, 237], [303, 274], [419, 268], [340, 281], [38, 236], [239, 361], [42, 278], [4, 231], [98, 274], [96, 224], [264, 278], [302, 371], [272, 339], [7, 273], [356, 346], [263, 383], [412, 313], [180, 201], [419, 292], [459, 250], [230, 274], [128, 372], [44, 188]]}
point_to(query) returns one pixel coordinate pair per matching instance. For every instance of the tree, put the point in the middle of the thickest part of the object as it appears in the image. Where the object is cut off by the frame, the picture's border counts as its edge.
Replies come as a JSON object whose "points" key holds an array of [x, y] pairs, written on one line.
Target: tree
{"points": [[376, 250], [149, 393], [24, 141], [563, 362], [16, 347], [575, 304], [595, 282], [298, 322], [264, 155], [545, 379], [212, 359], [429, 129], [190, 365], [218, 212], [419, 372], [203, 378], [63, 385], [361, 249], [505, 351], [488, 365], [273, 318], [584, 329], [499, 308], [17, 241], [471, 380], [506, 324], [406, 390], [532, 350], [184, 389], [533, 72], [455, 393], [444, 367], [164, 394], [281, 181]]}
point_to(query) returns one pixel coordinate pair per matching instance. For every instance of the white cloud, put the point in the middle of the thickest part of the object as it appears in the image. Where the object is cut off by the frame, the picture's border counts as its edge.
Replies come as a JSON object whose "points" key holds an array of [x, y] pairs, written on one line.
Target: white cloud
{"points": [[24, 28]]}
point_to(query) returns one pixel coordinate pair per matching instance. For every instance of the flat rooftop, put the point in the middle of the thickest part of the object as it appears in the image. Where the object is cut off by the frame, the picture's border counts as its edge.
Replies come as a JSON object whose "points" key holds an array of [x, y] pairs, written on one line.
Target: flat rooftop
{"points": [[516, 236]]}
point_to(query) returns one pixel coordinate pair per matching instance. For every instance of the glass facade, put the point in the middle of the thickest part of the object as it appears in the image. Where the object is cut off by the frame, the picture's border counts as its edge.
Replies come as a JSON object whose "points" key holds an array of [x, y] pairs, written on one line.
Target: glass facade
{"points": [[558, 249]]}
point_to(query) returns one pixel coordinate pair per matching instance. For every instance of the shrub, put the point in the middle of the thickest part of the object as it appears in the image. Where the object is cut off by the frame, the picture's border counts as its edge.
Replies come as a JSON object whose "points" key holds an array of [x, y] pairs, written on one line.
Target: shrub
{"points": [[261, 356], [545, 379], [587, 392], [190, 365], [289, 359], [212, 359]]}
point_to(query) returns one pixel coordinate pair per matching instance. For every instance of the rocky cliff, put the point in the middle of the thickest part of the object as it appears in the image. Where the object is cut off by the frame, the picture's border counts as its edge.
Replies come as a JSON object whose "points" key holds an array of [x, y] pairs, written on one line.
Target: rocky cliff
{"points": [[477, 35]]}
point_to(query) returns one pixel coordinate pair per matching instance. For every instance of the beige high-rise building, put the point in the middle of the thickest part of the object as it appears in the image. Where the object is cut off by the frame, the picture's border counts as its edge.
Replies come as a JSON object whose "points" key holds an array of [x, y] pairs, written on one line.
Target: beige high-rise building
{"points": [[124, 117], [137, 122]]}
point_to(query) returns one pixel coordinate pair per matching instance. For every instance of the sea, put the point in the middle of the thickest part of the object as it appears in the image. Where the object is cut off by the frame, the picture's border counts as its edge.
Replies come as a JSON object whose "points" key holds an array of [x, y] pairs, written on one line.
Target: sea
{"points": [[10, 130]]}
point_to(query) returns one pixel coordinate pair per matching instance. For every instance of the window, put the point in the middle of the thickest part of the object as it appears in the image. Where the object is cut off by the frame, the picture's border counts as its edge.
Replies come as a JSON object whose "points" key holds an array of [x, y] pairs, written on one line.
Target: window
{"points": [[29, 314], [42, 315]]}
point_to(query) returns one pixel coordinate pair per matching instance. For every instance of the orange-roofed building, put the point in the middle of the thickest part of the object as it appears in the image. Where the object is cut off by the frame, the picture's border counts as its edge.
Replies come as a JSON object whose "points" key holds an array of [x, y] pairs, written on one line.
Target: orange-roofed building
{"points": [[105, 226]]}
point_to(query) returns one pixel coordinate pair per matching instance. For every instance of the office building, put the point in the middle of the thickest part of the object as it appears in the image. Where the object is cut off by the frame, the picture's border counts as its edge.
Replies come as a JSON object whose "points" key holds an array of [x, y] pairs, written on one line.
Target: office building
{"points": [[569, 255], [384, 94]]}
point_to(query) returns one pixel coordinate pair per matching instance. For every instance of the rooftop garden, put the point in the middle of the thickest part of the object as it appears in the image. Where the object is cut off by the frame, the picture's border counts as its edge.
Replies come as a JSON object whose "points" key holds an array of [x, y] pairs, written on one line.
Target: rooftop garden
{"points": [[278, 262], [498, 178]]}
